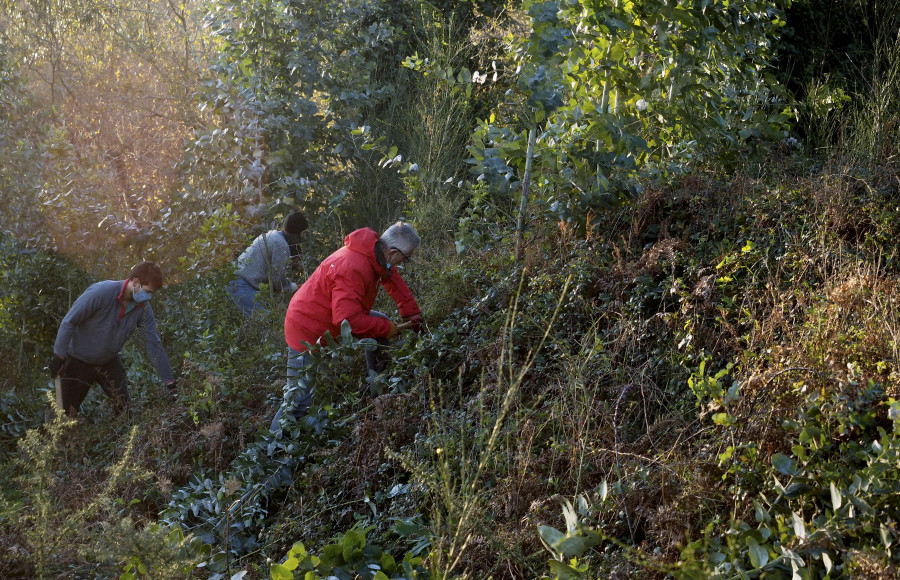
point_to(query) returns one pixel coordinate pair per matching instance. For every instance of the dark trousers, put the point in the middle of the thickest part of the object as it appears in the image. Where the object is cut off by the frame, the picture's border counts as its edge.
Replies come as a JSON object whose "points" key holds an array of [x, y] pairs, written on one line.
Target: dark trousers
{"points": [[78, 376]]}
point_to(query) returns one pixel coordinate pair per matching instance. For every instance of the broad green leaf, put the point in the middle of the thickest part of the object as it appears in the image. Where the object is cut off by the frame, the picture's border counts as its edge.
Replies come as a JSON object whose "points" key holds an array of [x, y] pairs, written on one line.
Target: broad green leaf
{"points": [[551, 535], [408, 527], [835, 497], [563, 571], [387, 563], [279, 572], [572, 546], [783, 464], [799, 526], [762, 515], [759, 556], [886, 537], [353, 542], [732, 394], [346, 331]]}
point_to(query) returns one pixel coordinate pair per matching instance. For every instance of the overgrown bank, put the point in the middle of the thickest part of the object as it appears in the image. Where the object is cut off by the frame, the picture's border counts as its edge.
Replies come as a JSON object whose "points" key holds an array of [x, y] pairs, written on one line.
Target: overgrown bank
{"points": [[707, 379]]}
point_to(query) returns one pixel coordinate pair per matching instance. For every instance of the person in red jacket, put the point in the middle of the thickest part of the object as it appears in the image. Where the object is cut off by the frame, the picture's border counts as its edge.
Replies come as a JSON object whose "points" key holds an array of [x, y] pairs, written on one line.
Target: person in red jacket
{"points": [[344, 287]]}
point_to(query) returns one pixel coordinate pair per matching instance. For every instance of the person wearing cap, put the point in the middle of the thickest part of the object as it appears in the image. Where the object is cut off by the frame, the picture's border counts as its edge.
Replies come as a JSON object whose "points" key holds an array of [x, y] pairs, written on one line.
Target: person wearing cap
{"points": [[266, 261], [94, 331], [344, 287]]}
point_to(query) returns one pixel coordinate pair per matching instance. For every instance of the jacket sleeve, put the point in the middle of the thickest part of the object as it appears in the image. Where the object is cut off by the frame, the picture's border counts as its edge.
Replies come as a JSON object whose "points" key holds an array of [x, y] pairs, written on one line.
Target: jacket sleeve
{"points": [[348, 303], [400, 292], [155, 351], [84, 306]]}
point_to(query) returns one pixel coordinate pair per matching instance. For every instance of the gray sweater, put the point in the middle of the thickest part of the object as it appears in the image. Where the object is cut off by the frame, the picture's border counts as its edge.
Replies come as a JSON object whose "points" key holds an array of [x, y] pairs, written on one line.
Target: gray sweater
{"points": [[97, 326], [266, 261]]}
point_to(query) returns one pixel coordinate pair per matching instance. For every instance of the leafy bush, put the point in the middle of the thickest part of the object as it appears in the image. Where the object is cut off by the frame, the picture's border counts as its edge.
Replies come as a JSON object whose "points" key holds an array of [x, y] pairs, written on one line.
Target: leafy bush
{"points": [[350, 557]]}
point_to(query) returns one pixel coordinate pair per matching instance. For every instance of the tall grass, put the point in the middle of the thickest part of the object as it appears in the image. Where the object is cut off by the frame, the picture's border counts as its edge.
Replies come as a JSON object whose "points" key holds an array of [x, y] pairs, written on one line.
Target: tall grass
{"points": [[438, 128], [60, 524], [870, 127]]}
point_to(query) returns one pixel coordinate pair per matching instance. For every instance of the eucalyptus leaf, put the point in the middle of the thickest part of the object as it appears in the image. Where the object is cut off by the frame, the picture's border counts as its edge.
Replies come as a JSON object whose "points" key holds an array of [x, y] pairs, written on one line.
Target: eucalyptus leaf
{"points": [[551, 535], [784, 464], [799, 526], [836, 501], [759, 556]]}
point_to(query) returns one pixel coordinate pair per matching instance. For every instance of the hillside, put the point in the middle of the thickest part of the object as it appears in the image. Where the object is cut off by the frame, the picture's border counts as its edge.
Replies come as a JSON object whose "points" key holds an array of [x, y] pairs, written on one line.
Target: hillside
{"points": [[705, 383], [658, 269]]}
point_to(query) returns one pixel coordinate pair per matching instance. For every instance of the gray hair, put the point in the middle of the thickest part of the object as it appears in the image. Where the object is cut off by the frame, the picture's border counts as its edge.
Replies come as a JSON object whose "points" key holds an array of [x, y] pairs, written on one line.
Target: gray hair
{"points": [[402, 236]]}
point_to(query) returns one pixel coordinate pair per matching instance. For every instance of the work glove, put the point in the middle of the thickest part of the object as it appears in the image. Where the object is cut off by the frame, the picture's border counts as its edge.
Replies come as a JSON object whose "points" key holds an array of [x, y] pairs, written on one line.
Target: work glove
{"points": [[394, 331], [55, 365], [416, 322]]}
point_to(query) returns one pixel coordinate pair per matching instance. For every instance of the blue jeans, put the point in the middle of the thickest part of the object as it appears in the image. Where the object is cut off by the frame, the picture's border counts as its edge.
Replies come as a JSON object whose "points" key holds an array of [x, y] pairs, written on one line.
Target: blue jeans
{"points": [[244, 296], [298, 391], [377, 359]]}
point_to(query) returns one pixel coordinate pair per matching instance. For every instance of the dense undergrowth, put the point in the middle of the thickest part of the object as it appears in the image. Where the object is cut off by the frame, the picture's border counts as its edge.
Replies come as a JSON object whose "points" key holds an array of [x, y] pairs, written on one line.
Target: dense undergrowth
{"points": [[703, 385]]}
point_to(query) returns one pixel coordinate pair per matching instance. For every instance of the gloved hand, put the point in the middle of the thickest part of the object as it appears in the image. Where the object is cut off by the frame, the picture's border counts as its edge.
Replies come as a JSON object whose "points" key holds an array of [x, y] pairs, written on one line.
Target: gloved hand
{"points": [[292, 288], [416, 322], [55, 365], [394, 331]]}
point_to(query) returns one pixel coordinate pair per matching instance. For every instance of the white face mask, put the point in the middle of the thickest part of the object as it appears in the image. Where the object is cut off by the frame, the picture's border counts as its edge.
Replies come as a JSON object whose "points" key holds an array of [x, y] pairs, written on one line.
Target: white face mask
{"points": [[141, 295]]}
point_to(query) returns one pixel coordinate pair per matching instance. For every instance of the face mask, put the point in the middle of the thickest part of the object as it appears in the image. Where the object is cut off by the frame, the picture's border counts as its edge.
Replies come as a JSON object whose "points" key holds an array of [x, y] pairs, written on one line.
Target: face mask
{"points": [[141, 296]]}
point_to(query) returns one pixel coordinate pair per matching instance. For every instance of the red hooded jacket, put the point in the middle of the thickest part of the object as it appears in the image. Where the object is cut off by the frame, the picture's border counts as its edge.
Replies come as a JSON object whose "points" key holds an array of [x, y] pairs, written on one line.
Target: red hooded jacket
{"points": [[344, 286]]}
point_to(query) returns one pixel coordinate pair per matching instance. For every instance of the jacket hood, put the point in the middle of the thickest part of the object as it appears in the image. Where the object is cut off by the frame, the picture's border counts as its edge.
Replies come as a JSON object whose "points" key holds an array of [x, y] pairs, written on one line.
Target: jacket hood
{"points": [[362, 241]]}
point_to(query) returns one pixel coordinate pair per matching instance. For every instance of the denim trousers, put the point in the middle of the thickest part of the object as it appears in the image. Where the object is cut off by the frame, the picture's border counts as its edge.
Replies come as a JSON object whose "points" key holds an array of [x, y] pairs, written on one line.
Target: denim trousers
{"points": [[244, 296], [299, 390]]}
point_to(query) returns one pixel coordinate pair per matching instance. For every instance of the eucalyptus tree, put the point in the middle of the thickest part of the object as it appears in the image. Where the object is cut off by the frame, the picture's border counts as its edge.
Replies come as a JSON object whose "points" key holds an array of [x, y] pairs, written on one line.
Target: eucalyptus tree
{"points": [[623, 90], [21, 133], [307, 73], [321, 82]]}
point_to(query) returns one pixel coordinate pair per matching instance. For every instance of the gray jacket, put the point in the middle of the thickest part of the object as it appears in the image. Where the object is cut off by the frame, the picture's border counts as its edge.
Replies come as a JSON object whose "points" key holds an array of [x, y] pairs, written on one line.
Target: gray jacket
{"points": [[266, 261], [97, 326]]}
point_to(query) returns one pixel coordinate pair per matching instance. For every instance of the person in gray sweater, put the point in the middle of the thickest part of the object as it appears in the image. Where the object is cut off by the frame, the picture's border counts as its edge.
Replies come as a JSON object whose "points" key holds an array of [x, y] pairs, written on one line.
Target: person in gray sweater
{"points": [[266, 261], [94, 331]]}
